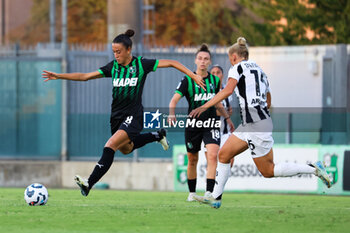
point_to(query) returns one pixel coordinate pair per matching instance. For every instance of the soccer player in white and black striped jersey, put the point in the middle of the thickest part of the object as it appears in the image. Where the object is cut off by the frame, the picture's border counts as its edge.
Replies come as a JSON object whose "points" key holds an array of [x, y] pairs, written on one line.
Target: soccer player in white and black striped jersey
{"points": [[251, 86]]}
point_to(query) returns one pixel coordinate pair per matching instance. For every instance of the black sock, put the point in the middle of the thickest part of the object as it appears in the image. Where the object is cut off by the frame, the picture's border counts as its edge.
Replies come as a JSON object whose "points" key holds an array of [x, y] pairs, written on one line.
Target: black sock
{"points": [[192, 185], [145, 138], [102, 166], [210, 185]]}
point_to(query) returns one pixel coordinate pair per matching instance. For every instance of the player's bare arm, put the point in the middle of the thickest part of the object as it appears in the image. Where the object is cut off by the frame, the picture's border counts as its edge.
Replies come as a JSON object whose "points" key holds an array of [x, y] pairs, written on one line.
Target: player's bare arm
{"points": [[223, 94], [172, 106], [220, 108], [48, 75], [163, 63]]}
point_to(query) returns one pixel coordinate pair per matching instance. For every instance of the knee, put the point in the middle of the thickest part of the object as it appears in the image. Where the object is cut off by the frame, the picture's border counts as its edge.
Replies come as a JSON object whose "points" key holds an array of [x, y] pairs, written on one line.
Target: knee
{"points": [[110, 144], [212, 158], [224, 157], [192, 160], [267, 170], [125, 151], [267, 173]]}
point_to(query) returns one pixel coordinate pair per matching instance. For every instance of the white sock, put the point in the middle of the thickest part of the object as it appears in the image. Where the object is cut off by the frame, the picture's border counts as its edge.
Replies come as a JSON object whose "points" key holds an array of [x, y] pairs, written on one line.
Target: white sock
{"points": [[223, 173], [292, 169]]}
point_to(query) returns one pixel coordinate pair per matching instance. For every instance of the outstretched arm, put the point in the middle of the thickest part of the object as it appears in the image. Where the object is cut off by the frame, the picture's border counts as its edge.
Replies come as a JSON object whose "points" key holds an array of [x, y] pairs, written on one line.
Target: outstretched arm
{"points": [[48, 75], [172, 106], [223, 94], [177, 65]]}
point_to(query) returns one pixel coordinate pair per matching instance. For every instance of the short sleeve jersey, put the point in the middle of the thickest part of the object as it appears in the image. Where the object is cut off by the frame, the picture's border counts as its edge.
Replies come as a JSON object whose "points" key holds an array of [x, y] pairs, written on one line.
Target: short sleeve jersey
{"points": [[251, 90], [128, 82], [197, 97]]}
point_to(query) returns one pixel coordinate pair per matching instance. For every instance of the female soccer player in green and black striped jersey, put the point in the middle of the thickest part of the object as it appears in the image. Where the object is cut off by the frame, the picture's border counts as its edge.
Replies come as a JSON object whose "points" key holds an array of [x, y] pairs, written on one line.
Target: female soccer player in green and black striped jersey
{"points": [[194, 135], [128, 75]]}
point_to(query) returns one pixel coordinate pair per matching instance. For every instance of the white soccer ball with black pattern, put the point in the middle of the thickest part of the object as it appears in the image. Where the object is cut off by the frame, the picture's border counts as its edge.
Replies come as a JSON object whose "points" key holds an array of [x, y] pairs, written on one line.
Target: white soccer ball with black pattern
{"points": [[36, 194]]}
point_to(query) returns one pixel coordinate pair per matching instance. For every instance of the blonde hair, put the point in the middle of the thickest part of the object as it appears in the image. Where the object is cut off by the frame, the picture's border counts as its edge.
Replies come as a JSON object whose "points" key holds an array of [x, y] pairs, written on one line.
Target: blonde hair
{"points": [[240, 47]]}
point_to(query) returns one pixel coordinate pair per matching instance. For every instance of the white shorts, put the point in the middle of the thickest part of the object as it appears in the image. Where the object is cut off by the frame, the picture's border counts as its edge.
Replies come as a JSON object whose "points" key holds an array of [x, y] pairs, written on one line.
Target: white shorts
{"points": [[258, 135], [224, 138]]}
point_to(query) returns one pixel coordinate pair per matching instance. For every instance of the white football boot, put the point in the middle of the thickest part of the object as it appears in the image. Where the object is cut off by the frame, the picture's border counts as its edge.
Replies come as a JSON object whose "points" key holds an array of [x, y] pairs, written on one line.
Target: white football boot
{"points": [[191, 197], [163, 141], [83, 185], [322, 173], [208, 199]]}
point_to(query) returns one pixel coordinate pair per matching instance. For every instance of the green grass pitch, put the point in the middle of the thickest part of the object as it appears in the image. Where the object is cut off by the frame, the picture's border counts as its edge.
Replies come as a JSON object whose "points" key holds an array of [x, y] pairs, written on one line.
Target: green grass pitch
{"points": [[139, 211]]}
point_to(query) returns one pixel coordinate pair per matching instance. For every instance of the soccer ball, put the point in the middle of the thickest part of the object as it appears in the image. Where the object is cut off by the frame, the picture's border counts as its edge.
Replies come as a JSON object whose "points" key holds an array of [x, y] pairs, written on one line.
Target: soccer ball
{"points": [[36, 194]]}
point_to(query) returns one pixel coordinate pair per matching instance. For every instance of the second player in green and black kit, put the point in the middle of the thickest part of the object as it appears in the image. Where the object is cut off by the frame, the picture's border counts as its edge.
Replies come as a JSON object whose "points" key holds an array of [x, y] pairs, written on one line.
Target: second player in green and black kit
{"points": [[207, 129], [197, 97]]}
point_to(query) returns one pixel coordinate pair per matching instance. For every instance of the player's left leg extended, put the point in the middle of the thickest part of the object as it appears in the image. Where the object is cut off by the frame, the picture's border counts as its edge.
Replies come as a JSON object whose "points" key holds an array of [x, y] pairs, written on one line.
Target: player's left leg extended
{"points": [[145, 138], [268, 169], [192, 175], [232, 147], [118, 139], [212, 155]]}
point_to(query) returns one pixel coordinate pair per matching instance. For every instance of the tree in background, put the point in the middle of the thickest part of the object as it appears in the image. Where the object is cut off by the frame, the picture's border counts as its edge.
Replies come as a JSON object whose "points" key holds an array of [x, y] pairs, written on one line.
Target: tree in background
{"points": [[262, 22], [250, 25], [87, 22], [192, 22], [174, 22], [211, 26], [297, 22], [330, 21], [37, 28]]}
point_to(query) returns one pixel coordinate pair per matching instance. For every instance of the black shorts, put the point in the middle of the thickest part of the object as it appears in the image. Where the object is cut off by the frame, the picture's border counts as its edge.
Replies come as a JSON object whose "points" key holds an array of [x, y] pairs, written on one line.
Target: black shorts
{"points": [[194, 138], [132, 124]]}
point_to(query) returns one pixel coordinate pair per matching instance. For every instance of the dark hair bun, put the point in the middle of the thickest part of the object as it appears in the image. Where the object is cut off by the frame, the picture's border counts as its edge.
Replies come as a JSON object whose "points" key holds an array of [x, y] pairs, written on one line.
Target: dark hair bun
{"points": [[129, 33], [204, 48]]}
